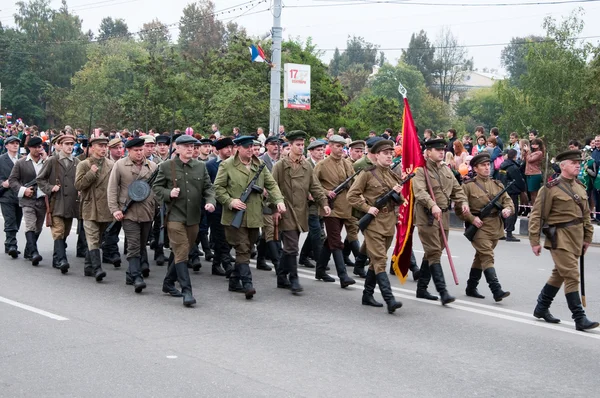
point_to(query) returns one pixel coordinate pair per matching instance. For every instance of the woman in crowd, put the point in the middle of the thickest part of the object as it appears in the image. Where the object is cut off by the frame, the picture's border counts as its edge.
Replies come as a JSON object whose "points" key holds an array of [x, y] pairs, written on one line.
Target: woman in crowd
{"points": [[495, 156], [533, 157], [460, 154], [480, 145]]}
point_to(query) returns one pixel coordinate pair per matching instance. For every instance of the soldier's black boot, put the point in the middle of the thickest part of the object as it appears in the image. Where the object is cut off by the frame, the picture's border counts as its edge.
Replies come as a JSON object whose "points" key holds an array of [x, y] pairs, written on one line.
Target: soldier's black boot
{"points": [[170, 278], [12, 249], [386, 291], [542, 309], [159, 255], [261, 253], [145, 265], [31, 247], [511, 238], [370, 283], [414, 268], [235, 285], [440, 283], [208, 254], [495, 287], [88, 269], [423, 282], [217, 269], [135, 270], [246, 278], [194, 259], [581, 321], [280, 268], [360, 260], [61, 255], [338, 259], [183, 276], [472, 282], [347, 250], [320, 273], [96, 260], [291, 267]]}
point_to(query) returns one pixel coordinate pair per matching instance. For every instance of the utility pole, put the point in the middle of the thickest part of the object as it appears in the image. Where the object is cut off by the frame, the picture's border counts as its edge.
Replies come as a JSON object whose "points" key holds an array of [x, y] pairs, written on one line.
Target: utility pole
{"points": [[277, 35]]}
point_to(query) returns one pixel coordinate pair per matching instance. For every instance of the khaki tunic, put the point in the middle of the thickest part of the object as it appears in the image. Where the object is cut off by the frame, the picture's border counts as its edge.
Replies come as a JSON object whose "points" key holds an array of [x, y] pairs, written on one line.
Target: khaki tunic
{"points": [[65, 202], [362, 163], [93, 187], [332, 172], [295, 183], [123, 173], [232, 179]]}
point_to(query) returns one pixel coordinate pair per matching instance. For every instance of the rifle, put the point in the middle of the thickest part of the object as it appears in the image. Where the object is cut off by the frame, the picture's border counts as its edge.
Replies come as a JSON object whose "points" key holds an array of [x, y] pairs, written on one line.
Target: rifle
{"points": [[252, 187], [471, 230], [341, 187], [28, 185], [382, 201]]}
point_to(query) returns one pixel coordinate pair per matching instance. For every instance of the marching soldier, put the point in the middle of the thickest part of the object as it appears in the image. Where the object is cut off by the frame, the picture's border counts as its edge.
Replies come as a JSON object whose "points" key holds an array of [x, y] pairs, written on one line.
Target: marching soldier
{"points": [[431, 211], [369, 186], [92, 181], [296, 181], [331, 172], [31, 199], [110, 243], [137, 221], [205, 145], [182, 183], [162, 154], [232, 179], [562, 213], [479, 191], [57, 180], [357, 150], [162, 148], [11, 211]]}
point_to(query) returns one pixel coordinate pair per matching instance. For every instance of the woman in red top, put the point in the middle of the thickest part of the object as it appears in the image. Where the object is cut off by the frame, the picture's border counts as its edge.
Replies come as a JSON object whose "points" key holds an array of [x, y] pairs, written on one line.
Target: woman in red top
{"points": [[533, 166]]}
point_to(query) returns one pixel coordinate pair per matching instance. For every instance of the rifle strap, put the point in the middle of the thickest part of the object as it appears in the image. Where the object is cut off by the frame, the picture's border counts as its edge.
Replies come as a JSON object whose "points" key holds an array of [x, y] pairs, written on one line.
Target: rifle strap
{"points": [[573, 196], [490, 197]]}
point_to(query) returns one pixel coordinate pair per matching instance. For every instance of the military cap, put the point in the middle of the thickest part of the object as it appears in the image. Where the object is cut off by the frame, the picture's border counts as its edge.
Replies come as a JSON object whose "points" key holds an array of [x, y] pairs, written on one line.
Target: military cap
{"points": [[337, 139], [13, 138], [273, 139], [65, 138], [244, 141], [256, 142], [575, 154], [372, 141], [205, 141], [114, 142], [134, 143], [360, 143], [165, 139], [34, 141], [296, 135], [149, 139], [382, 145], [99, 140], [438, 143], [185, 139], [175, 136], [480, 158], [222, 143], [285, 144], [316, 144], [55, 138], [84, 142]]}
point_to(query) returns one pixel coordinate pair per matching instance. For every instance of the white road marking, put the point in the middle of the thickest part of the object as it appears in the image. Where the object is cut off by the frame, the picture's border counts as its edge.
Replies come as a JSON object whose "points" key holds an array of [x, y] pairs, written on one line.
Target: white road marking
{"points": [[171, 356], [33, 309]]}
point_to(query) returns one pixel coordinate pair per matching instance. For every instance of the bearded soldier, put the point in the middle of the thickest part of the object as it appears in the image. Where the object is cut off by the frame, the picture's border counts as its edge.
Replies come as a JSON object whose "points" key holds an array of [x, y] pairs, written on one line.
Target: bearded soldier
{"points": [[92, 180]]}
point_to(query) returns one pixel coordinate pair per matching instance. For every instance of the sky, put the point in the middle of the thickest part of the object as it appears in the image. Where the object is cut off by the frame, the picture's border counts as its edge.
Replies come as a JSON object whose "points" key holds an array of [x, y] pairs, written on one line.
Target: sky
{"points": [[387, 23]]}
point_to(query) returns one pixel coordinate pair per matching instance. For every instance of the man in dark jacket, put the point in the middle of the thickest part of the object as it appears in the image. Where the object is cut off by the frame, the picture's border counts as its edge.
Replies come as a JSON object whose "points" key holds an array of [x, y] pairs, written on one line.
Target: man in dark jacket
{"points": [[510, 171]]}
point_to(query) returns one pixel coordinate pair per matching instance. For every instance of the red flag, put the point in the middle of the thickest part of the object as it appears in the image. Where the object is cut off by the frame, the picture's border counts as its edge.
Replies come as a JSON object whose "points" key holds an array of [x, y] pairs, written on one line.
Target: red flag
{"points": [[412, 158]]}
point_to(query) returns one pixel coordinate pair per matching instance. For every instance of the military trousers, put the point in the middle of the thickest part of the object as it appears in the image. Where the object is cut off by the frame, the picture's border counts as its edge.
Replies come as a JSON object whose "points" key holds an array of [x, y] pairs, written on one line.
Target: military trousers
{"points": [[34, 216], [313, 240], [351, 225], [566, 270], [218, 240], [181, 239], [290, 242], [13, 214], [377, 246], [268, 229], [432, 241], [61, 227], [136, 234], [333, 226], [241, 239], [484, 252], [110, 241], [93, 233]]}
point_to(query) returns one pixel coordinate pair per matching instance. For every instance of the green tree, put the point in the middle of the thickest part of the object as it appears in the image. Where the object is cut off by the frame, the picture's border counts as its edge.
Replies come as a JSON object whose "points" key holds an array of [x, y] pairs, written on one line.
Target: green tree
{"points": [[483, 106], [199, 30], [420, 53], [513, 56], [113, 29]]}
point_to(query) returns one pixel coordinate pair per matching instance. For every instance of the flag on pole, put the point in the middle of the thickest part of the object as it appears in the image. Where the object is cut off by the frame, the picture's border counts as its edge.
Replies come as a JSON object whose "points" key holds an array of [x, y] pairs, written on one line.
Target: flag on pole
{"points": [[257, 54], [412, 158], [9, 115]]}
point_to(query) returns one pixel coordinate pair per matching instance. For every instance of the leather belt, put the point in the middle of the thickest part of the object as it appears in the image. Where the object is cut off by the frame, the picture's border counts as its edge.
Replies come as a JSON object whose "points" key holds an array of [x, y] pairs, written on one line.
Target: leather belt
{"points": [[576, 221]]}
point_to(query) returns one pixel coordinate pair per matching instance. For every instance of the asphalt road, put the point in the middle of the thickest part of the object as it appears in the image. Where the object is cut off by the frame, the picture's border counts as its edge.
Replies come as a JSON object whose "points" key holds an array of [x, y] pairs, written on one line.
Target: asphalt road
{"points": [[68, 336]]}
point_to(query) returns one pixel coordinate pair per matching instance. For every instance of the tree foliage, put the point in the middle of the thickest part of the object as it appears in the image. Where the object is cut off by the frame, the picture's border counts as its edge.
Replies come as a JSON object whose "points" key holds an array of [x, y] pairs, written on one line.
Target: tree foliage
{"points": [[420, 53], [450, 63]]}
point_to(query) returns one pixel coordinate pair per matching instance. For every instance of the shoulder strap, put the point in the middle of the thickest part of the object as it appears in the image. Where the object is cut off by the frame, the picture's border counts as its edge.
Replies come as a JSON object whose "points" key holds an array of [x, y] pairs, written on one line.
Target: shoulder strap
{"points": [[573, 196], [490, 197]]}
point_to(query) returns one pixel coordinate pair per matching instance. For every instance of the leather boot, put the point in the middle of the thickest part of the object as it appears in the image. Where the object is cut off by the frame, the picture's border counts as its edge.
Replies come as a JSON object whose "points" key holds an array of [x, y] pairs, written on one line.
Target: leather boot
{"points": [[96, 260], [12, 249], [581, 321], [88, 269], [235, 285], [135, 270], [170, 278], [217, 269], [320, 273], [414, 268], [32, 244], [360, 259], [492, 280], [347, 250], [440, 283], [183, 276], [338, 258], [261, 250], [208, 254], [474, 277], [511, 238], [194, 263], [370, 283], [55, 258], [542, 309], [281, 269], [274, 253], [145, 265], [423, 282], [61, 255], [291, 267], [386, 291], [159, 256], [246, 278], [305, 261]]}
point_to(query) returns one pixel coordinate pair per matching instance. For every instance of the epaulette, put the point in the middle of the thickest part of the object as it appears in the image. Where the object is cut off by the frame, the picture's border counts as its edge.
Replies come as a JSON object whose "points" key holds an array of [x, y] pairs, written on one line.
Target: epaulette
{"points": [[499, 184], [579, 182], [369, 168], [553, 183], [468, 180]]}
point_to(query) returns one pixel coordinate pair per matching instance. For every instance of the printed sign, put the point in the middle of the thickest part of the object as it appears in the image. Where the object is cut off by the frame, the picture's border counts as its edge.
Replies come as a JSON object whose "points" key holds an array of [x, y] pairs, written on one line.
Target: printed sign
{"points": [[296, 88]]}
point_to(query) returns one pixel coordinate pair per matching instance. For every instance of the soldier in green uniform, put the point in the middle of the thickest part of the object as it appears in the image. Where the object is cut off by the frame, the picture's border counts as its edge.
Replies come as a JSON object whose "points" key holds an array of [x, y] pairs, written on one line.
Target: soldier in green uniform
{"points": [[233, 177], [430, 211], [562, 213], [296, 181], [182, 183], [479, 191], [370, 185]]}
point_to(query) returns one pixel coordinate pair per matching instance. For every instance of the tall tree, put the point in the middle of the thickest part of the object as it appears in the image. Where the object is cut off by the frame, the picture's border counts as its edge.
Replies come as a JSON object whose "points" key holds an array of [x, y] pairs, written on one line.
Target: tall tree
{"points": [[112, 29], [155, 36], [420, 53], [513, 56], [199, 30], [450, 63]]}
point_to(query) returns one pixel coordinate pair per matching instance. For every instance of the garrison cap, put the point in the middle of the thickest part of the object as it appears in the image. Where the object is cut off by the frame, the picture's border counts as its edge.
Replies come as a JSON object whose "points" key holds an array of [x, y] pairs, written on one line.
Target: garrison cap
{"points": [[273, 139], [244, 141], [13, 138], [99, 140], [372, 141], [316, 144], [296, 135], [382, 145], [65, 138], [575, 154], [149, 139], [164, 139], [114, 142], [34, 141], [482, 157], [185, 140], [360, 143], [134, 143], [222, 143], [438, 143], [337, 139]]}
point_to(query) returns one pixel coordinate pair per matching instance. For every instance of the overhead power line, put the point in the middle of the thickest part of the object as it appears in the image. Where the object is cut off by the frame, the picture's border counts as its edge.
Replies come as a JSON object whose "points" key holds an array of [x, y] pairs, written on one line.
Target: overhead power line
{"points": [[411, 3]]}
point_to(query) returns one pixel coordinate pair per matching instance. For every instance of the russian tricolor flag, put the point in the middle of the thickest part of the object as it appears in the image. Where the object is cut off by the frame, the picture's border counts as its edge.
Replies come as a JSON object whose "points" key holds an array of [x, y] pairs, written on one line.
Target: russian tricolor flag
{"points": [[257, 54]]}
